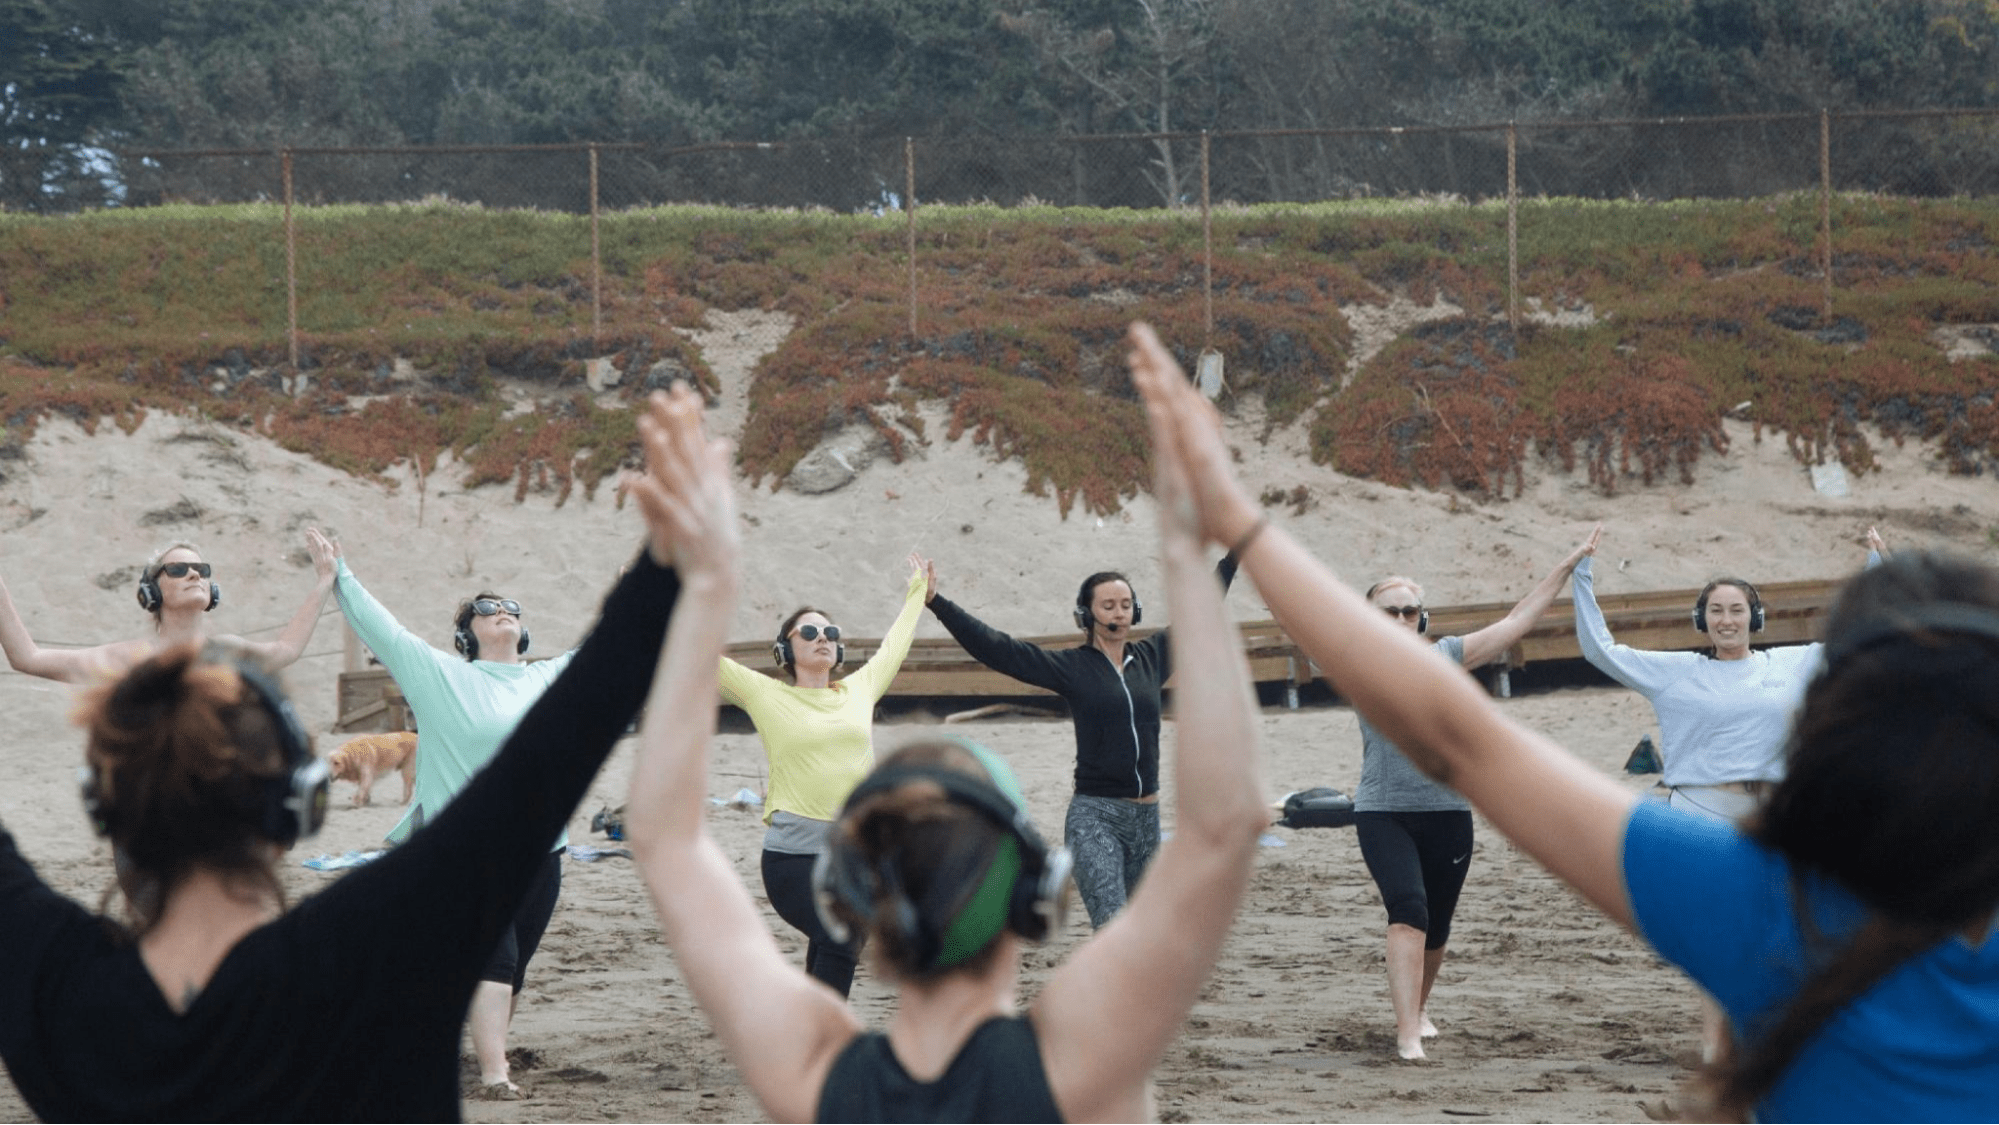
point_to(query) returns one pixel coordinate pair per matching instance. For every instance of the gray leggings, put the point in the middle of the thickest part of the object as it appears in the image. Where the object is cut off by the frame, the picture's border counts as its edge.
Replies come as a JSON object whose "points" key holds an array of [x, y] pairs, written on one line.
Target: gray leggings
{"points": [[1111, 840]]}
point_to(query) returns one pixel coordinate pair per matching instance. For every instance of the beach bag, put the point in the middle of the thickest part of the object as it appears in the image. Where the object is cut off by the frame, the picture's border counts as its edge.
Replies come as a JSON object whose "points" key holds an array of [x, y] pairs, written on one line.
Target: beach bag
{"points": [[1644, 758], [1317, 808]]}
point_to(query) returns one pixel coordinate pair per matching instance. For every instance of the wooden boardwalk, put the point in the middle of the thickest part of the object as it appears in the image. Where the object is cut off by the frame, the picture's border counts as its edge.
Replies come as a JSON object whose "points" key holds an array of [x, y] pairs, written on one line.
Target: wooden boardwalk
{"points": [[938, 669]]}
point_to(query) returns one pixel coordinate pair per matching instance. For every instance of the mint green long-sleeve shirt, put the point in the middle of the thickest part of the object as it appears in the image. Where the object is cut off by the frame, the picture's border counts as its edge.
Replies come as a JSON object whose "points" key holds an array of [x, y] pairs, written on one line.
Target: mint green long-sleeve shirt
{"points": [[464, 708]]}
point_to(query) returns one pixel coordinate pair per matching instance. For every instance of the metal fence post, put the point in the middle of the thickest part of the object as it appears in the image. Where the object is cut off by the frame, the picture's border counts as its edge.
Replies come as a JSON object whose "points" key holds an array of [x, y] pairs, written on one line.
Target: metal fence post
{"points": [[1825, 205], [596, 261], [1512, 227], [909, 209], [1207, 254], [291, 263]]}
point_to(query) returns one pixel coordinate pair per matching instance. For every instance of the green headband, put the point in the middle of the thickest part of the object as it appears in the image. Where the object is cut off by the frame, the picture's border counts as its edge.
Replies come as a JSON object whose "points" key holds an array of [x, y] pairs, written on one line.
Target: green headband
{"points": [[985, 914]]}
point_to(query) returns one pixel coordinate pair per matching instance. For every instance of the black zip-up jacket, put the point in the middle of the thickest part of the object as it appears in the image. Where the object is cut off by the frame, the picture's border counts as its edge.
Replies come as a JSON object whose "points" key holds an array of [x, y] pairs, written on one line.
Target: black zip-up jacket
{"points": [[1117, 716]]}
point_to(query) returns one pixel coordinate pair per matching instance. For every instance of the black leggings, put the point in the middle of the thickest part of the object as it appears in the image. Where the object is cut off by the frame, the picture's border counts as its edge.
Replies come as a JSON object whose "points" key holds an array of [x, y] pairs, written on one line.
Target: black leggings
{"points": [[1418, 860], [509, 962], [788, 883]]}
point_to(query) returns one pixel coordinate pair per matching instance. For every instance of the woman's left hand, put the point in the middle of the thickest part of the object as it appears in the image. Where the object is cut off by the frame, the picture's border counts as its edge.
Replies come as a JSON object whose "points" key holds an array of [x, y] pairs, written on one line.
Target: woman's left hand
{"points": [[929, 570]]}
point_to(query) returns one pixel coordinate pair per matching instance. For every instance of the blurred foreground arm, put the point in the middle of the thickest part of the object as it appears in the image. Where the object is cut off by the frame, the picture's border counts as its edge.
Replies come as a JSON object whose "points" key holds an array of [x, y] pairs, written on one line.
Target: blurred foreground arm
{"points": [[781, 1028], [1109, 1013], [1565, 814]]}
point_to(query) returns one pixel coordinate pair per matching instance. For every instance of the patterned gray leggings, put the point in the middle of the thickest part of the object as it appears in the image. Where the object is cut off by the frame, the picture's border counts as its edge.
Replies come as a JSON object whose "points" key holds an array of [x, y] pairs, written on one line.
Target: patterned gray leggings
{"points": [[1111, 840]]}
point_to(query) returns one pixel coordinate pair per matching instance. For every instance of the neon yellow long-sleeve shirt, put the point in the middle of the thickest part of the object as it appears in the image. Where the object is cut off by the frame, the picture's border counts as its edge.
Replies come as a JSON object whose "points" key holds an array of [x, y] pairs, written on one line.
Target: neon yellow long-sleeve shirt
{"points": [[820, 740]]}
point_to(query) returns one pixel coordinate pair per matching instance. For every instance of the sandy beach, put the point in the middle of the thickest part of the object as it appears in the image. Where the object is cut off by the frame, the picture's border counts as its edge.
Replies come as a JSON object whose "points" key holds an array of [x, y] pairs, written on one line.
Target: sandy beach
{"points": [[1547, 1012]]}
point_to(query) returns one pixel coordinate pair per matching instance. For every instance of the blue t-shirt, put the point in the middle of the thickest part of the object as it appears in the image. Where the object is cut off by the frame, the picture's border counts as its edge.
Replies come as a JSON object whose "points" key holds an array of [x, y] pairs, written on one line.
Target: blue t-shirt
{"points": [[1922, 1045]]}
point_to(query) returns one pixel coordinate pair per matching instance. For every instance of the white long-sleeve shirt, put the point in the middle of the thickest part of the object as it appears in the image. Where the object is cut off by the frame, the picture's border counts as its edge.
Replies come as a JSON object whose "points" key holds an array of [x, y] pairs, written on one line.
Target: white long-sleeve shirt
{"points": [[1719, 720]]}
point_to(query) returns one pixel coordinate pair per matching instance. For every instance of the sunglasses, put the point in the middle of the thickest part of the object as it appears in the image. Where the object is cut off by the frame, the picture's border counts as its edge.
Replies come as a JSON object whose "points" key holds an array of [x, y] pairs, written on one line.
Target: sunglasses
{"points": [[180, 569], [1405, 612], [487, 607], [811, 632]]}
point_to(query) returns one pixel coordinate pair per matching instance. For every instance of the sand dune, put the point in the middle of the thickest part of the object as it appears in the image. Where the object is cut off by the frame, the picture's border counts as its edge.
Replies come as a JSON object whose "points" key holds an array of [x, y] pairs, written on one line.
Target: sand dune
{"points": [[1547, 1012]]}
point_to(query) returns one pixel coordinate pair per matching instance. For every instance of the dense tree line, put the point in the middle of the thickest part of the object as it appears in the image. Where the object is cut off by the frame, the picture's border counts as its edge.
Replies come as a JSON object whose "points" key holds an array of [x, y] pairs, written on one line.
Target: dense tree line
{"points": [[81, 76]]}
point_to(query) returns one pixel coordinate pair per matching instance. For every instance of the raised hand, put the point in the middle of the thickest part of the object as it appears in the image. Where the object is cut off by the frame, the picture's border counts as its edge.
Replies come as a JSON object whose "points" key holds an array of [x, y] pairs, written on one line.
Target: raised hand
{"points": [[685, 493], [1587, 547], [929, 570], [324, 550], [1191, 431]]}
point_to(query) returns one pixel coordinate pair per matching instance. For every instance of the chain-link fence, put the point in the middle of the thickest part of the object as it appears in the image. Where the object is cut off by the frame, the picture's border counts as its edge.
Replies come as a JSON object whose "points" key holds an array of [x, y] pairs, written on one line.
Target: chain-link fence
{"points": [[1920, 153]]}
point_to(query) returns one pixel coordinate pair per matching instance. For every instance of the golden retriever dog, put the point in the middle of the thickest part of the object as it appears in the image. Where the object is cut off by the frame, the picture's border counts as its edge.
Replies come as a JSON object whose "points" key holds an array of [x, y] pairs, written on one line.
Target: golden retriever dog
{"points": [[362, 760]]}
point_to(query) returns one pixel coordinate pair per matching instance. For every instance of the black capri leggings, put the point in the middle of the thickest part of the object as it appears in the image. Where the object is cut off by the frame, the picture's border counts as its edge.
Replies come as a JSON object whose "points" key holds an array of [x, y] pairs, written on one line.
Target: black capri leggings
{"points": [[1418, 860], [788, 883], [509, 962]]}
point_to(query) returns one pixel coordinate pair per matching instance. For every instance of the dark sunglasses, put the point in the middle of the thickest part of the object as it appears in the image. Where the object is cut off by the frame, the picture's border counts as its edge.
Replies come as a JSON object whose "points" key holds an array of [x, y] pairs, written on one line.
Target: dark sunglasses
{"points": [[811, 632], [1405, 612], [180, 569], [487, 607]]}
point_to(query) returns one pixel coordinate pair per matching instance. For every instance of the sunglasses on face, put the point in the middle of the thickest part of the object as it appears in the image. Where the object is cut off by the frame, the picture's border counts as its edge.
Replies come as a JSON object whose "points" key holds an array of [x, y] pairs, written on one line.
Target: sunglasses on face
{"points": [[487, 607], [180, 569], [1405, 612], [811, 632]]}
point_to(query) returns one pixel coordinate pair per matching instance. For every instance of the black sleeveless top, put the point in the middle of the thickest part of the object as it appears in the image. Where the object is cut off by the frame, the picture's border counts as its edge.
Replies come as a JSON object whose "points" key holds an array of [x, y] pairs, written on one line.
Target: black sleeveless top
{"points": [[997, 1076]]}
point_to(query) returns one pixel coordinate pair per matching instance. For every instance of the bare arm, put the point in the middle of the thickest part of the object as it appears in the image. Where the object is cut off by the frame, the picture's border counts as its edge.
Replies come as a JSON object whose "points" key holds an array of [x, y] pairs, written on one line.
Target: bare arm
{"points": [[67, 665], [1109, 1013], [290, 644], [1491, 642], [781, 1028], [1566, 815]]}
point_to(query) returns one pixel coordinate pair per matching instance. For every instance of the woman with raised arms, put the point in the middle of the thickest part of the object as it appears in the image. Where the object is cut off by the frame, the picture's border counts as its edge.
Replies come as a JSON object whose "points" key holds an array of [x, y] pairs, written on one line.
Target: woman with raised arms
{"points": [[465, 704], [1415, 835], [1846, 928], [1112, 685], [178, 589], [818, 736], [1723, 714], [215, 1002]]}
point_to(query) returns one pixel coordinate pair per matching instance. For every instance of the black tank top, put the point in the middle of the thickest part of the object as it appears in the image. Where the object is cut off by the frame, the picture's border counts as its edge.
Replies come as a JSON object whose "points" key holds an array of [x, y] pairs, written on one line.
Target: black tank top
{"points": [[997, 1076]]}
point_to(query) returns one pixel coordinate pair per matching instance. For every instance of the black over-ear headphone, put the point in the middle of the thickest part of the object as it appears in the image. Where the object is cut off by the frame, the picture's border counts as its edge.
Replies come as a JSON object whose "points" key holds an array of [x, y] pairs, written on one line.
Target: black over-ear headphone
{"points": [[294, 804], [468, 645], [1422, 612], [780, 651], [1755, 604], [149, 591], [1086, 620], [1020, 888]]}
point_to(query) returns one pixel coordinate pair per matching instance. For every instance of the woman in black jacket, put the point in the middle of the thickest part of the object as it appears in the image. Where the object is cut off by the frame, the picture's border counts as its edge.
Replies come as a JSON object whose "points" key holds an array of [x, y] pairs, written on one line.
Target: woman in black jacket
{"points": [[1111, 683]]}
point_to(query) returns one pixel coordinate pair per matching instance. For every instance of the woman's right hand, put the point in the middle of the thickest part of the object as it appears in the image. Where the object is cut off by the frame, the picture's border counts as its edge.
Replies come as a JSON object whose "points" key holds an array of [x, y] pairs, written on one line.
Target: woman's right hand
{"points": [[1587, 547], [929, 570], [324, 550], [685, 492]]}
